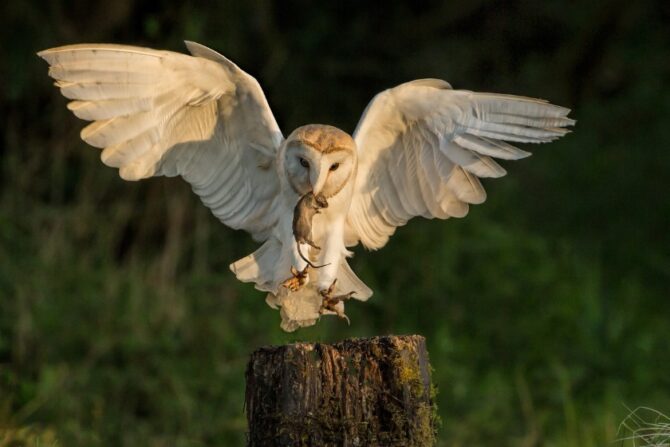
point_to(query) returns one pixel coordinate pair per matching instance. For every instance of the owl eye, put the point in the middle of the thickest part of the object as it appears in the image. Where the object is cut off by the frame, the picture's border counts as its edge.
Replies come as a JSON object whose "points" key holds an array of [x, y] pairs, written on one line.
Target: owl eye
{"points": [[304, 163], [334, 166]]}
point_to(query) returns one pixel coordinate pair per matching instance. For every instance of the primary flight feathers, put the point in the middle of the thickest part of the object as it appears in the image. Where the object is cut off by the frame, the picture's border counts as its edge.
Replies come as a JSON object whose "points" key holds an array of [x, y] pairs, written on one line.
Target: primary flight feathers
{"points": [[165, 113], [427, 145]]}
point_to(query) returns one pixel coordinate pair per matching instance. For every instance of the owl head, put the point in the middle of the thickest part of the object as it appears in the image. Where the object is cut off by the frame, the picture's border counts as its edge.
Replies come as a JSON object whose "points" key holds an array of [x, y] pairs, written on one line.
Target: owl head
{"points": [[319, 158]]}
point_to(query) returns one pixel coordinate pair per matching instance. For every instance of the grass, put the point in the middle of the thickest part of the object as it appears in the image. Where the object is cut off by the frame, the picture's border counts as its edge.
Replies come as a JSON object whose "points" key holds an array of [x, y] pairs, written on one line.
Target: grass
{"points": [[645, 427], [124, 326]]}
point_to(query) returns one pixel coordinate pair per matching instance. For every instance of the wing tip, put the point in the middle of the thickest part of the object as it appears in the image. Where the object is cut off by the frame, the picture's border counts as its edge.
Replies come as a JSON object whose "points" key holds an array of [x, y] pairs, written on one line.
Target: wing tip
{"points": [[136, 171], [428, 82], [44, 54], [191, 44], [50, 53]]}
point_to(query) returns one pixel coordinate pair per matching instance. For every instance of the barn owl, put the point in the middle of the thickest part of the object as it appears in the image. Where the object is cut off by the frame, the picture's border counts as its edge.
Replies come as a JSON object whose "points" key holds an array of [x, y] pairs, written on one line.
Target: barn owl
{"points": [[419, 149]]}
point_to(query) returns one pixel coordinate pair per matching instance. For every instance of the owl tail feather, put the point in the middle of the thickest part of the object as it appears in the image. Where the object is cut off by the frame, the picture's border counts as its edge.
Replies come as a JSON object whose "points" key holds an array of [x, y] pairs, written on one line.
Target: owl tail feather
{"points": [[260, 268], [347, 281]]}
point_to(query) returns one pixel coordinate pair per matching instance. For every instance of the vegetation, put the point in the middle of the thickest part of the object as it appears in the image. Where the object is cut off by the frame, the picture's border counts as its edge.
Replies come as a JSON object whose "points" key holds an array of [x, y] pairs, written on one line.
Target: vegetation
{"points": [[645, 427], [545, 310]]}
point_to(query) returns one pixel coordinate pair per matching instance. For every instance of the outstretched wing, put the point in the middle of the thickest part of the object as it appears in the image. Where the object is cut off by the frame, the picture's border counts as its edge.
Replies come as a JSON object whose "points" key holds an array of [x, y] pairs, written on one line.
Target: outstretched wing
{"points": [[423, 146], [165, 113]]}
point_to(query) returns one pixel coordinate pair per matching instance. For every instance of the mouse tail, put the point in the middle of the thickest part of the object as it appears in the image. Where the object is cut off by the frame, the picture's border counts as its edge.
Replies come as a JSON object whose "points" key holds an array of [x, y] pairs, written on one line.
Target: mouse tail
{"points": [[304, 258]]}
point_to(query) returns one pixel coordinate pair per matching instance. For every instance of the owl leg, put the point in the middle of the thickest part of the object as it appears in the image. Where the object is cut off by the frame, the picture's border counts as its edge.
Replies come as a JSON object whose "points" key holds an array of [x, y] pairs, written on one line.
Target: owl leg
{"points": [[297, 280], [330, 256], [299, 269], [331, 302]]}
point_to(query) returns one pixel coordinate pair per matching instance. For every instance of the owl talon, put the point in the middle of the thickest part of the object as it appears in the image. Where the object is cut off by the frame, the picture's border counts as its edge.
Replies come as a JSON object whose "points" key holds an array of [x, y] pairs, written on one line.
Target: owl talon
{"points": [[330, 302], [297, 280]]}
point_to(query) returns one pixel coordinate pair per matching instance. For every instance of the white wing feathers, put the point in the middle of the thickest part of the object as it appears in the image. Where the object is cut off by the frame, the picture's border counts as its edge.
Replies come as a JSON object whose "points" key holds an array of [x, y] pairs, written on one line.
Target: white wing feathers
{"points": [[422, 148], [165, 113]]}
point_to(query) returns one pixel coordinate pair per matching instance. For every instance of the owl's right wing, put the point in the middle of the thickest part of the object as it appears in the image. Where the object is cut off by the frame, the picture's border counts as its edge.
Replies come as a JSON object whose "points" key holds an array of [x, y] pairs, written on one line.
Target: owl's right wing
{"points": [[165, 113], [423, 146]]}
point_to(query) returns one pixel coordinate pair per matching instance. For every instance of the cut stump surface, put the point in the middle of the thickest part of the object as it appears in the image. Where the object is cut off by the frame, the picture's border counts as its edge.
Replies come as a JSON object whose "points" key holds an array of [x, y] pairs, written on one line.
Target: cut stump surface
{"points": [[359, 392]]}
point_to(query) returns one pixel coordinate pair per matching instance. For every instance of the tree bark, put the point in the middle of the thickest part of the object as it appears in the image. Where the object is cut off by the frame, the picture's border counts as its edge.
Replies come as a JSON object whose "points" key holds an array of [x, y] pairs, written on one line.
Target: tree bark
{"points": [[359, 392]]}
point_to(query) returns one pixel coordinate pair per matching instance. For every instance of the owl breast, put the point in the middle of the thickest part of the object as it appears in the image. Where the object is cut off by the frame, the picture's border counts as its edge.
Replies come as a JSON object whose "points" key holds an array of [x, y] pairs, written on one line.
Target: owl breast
{"points": [[327, 219]]}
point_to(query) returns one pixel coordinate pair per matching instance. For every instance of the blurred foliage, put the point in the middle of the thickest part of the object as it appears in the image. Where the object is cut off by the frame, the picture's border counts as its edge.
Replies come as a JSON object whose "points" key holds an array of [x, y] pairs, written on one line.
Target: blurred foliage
{"points": [[545, 310]]}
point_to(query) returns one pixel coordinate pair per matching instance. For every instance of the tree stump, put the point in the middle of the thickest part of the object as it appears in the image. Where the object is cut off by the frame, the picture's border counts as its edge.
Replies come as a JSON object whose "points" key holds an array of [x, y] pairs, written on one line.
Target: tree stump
{"points": [[359, 392]]}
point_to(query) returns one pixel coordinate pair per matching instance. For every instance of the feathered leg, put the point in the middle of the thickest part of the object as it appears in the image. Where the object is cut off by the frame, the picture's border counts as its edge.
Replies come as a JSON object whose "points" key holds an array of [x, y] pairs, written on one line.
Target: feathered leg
{"points": [[299, 267]]}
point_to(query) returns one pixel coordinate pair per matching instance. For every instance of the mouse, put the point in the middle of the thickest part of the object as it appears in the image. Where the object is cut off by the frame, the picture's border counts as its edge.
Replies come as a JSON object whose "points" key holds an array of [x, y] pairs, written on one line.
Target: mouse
{"points": [[307, 207]]}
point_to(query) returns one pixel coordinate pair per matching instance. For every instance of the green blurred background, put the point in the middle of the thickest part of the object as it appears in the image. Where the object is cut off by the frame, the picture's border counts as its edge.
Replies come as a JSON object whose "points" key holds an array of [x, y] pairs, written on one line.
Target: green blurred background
{"points": [[546, 310]]}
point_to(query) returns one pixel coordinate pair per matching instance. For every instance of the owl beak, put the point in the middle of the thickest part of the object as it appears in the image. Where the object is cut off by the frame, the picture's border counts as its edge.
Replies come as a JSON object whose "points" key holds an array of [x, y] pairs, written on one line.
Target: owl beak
{"points": [[318, 179]]}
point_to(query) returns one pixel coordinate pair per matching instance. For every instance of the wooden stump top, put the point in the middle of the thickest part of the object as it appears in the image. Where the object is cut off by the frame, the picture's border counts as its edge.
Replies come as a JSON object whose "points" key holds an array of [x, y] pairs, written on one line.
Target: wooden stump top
{"points": [[358, 392]]}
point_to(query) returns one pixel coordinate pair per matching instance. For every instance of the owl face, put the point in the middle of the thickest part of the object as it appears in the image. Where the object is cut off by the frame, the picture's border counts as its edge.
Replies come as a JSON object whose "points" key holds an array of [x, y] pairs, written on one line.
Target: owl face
{"points": [[319, 158]]}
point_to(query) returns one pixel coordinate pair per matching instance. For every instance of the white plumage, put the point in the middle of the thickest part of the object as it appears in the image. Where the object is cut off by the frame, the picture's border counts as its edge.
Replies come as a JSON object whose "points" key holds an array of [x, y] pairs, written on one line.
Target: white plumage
{"points": [[418, 150]]}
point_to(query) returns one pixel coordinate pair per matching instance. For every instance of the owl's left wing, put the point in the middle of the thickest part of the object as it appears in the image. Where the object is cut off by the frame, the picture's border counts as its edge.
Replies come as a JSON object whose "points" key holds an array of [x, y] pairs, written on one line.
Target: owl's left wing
{"points": [[422, 148], [161, 113]]}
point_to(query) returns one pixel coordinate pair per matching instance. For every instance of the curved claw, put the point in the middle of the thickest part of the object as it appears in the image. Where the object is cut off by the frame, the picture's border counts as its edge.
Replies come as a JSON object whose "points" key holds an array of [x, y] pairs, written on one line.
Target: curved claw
{"points": [[297, 280], [330, 302]]}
